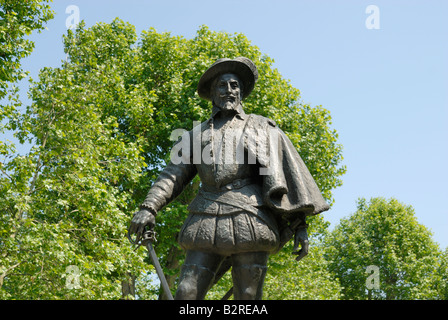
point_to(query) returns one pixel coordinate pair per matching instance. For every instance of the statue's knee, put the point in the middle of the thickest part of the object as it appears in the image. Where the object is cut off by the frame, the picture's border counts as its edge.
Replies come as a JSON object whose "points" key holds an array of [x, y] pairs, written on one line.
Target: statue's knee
{"points": [[187, 288], [248, 282], [186, 291], [248, 293], [194, 282]]}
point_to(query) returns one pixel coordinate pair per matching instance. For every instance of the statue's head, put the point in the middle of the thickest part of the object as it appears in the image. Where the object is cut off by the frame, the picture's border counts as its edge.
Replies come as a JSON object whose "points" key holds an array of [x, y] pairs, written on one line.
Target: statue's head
{"points": [[227, 91], [227, 82]]}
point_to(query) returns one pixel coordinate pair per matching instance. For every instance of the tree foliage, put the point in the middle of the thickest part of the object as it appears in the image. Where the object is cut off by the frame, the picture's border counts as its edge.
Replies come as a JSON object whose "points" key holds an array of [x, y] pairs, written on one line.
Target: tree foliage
{"points": [[18, 19], [100, 128], [67, 202], [386, 234]]}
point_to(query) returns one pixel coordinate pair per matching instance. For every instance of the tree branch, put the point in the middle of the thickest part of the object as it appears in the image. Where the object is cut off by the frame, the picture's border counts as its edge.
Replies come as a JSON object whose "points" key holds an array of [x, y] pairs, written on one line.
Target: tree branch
{"points": [[2, 277]]}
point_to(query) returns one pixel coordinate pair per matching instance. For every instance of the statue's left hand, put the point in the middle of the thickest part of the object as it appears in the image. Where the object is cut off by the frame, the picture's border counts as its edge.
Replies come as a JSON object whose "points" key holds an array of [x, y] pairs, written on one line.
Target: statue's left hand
{"points": [[301, 238]]}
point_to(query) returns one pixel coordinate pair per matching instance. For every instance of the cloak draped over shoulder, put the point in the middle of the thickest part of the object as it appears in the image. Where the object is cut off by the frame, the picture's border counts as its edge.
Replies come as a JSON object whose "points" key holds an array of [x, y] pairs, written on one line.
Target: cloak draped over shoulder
{"points": [[288, 187]]}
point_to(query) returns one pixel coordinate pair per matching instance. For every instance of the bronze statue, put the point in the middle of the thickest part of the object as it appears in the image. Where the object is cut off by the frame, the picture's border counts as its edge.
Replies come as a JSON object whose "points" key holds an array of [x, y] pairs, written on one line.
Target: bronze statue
{"points": [[255, 191]]}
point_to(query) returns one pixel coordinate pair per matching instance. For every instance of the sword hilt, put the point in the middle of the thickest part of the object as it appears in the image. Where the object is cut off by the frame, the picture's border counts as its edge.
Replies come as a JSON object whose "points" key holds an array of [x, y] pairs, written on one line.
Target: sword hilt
{"points": [[148, 236]]}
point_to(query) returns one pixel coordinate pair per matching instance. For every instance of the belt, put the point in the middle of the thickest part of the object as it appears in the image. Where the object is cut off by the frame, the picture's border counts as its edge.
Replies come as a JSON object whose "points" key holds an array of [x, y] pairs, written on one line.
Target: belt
{"points": [[235, 184]]}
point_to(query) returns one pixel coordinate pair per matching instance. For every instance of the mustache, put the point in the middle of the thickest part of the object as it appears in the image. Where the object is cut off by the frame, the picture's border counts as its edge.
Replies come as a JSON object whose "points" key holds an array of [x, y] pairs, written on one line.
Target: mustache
{"points": [[227, 96]]}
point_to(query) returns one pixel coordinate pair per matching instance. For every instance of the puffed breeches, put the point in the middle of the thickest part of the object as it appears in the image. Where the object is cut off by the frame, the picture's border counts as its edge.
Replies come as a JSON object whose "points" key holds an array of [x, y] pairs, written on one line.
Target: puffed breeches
{"points": [[230, 233]]}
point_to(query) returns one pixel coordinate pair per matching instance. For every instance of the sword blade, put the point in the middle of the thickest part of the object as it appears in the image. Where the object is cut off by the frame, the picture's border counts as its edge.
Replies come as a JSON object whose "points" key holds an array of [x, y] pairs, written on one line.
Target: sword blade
{"points": [[155, 261]]}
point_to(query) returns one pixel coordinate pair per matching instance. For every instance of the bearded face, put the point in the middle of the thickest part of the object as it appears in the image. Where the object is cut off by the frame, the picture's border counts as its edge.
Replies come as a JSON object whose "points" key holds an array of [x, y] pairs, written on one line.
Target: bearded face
{"points": [[227, 92]]}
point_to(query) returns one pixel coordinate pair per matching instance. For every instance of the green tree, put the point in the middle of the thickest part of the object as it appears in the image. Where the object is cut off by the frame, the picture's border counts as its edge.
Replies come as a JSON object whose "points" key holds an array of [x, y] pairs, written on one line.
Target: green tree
{"points": [[67, 202], [101, 126], [442, 276], [18, 19], [385, 234]]}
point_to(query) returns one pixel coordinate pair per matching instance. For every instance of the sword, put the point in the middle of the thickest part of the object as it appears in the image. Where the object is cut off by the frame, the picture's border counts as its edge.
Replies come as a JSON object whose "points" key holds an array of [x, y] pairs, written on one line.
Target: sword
{"points": [[149, 236]]}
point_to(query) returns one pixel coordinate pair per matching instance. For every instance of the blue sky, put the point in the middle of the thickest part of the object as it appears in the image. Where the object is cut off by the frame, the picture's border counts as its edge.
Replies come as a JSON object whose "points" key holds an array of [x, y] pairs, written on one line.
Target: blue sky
{"points": [[386, 88]]}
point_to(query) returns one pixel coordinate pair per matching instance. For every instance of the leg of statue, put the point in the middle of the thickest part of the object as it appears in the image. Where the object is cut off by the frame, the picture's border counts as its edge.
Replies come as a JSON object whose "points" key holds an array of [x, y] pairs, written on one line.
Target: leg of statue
{"points": [[248, 273], [197, 275]]}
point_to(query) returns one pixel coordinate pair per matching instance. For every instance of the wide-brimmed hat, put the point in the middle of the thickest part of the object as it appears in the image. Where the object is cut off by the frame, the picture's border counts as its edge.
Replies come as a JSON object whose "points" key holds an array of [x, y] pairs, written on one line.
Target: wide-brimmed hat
{"points": [[243, 67]]}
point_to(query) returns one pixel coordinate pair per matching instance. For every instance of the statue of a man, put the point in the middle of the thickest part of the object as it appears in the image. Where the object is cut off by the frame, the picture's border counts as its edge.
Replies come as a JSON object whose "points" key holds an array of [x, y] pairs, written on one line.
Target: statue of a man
{"points": [[255, 190]]}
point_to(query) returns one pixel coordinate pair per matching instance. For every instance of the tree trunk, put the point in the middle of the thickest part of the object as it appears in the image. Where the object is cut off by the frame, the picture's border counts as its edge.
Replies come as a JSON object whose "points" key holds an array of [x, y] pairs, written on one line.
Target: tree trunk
{"points": [[128, 288]]}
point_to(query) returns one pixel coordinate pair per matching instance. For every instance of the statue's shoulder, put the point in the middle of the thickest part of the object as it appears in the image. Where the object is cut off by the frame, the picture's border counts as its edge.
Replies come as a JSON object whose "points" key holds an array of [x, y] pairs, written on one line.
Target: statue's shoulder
{"points": [[261, 121]]}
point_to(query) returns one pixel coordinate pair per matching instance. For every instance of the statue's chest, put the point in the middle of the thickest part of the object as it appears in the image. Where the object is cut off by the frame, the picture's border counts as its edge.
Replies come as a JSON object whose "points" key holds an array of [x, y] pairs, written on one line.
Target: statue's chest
{"points": [[223, 154]]}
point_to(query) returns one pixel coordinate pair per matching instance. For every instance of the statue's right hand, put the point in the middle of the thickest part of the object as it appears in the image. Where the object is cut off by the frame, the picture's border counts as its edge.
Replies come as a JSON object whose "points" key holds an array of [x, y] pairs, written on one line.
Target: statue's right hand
{"points": [[141, 220]]}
